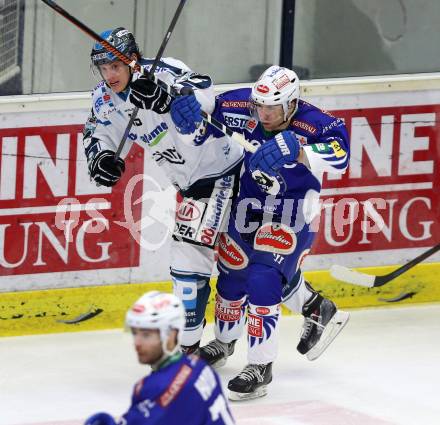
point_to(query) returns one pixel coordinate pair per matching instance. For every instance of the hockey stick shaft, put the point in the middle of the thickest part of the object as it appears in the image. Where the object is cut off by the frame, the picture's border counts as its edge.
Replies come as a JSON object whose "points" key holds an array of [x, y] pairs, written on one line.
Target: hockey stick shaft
{"points": [[150, 73], [347, 275], [413, 262], [137, 67]]}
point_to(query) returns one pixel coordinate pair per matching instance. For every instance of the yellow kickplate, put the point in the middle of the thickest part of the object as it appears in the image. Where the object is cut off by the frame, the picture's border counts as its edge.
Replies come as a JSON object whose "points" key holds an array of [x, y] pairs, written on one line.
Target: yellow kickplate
{"points": [[104, 307]]}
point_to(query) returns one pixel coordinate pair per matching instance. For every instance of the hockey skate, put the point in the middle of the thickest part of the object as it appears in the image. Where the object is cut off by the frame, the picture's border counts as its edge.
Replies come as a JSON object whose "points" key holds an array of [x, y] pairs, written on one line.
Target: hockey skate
{"points": [[251, 382], [322, 323], [216, 352]]}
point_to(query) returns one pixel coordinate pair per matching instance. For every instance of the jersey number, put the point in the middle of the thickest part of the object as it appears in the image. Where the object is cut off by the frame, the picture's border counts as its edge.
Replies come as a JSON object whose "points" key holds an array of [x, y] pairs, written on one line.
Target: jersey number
{"points": [[219, 410]]}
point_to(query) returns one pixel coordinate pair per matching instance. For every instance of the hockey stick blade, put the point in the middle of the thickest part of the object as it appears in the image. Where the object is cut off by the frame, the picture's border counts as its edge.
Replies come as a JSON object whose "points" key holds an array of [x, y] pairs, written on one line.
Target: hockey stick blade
{"points": [[354, 277]]}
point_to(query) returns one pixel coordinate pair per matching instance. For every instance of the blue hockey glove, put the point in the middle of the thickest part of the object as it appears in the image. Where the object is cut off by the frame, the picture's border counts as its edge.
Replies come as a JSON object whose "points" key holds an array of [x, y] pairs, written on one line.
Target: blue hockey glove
{"points": [[100, 419], [186, 113], [270, 157]]}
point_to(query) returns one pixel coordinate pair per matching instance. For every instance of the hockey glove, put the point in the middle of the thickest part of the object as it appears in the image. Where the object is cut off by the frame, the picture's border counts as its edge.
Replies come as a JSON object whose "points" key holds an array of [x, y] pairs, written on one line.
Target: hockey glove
{"points": [[270, 157], [147, 95], [100, 419], [186, 113], [105, 170]]}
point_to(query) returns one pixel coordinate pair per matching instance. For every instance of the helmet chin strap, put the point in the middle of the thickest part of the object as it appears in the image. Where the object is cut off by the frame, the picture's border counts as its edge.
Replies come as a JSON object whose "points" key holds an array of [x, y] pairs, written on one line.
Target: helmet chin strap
{"points": [[166, 354], [289, 116]]}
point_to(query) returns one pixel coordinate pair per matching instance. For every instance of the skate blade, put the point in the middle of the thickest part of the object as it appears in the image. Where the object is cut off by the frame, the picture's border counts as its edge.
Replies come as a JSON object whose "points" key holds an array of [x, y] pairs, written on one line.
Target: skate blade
{"points": [[259, 392], [331, 331]]}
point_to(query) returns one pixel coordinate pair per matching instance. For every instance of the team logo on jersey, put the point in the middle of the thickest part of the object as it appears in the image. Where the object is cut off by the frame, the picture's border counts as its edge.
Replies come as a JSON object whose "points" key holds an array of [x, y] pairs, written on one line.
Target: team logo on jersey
{"points": [[275, 237], [170, 155], [188, 211], [236, 104], [106, 97], [175, 386], [337, 149], [235, 120], [301, 139], [304, 126], [98, 103], [251, 125], [262, 88], [231, 254], [153, 138], [216, 209]]}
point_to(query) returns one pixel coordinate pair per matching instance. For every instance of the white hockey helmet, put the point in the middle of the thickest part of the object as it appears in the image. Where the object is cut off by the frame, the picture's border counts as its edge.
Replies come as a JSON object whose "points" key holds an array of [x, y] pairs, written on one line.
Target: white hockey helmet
{"points": [[158, 310], [277, 86]]}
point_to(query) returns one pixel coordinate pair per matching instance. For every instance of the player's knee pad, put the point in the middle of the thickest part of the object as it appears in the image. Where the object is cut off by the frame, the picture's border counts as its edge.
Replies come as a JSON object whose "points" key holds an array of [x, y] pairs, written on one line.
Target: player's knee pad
{"points": [[263, 333], [194, 292], [230, 318], [264, 284]]}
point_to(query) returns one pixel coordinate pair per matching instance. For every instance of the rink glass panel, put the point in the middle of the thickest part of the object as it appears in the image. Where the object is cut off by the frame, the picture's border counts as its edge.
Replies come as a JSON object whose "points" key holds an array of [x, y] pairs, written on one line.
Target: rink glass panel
{"points": [[232, 41]]}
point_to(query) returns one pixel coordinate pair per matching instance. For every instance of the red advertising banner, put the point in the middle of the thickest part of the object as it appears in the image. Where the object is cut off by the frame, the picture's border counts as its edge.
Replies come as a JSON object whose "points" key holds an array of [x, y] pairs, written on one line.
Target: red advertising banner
{"points": [[52, 219], [389, 198]]}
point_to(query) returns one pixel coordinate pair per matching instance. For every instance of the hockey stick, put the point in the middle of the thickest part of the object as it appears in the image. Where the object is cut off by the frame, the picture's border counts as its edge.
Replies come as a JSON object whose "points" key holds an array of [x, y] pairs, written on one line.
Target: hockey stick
{"points": [[370, 281], [239, 138], [150, 73]]}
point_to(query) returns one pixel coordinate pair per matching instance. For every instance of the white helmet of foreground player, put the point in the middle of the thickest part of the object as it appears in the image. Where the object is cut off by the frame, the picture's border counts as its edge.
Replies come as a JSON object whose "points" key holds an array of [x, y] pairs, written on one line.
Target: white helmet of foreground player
{"points": [[161, 311], [276, 86]]}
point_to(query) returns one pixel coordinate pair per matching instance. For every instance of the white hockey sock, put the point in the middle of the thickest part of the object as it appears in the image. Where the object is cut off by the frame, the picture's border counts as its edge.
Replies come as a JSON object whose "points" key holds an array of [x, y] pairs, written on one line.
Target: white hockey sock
{"points": [[229, 318], [263, 333]]}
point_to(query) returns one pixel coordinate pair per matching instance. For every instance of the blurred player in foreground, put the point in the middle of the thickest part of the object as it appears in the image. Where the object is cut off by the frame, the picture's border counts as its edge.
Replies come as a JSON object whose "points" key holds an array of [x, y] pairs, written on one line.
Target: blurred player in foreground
{"points": [[181, 388]]}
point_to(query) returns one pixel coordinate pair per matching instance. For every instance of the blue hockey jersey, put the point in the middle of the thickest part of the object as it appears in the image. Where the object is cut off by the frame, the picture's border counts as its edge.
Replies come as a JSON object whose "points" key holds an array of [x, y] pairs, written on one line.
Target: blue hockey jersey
{"points": [[325, 142], [186, 391]]}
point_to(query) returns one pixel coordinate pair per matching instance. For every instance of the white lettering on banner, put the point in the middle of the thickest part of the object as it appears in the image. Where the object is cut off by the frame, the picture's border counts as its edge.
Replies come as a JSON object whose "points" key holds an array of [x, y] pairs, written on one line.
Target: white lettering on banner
{"points": [[3, 262], [55, 171], [8, 168], [403, 221], [81, 245], [48, 220], [84, 185], [370, 212], [62, 251], [372, 221], [45, 233], [409, 144], [379, 152]]}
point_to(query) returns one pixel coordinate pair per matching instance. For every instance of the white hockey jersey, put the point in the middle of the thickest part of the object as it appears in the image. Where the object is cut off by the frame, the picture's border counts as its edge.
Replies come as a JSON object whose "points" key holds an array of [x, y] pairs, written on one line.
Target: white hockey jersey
{"points": [[182, 160]]}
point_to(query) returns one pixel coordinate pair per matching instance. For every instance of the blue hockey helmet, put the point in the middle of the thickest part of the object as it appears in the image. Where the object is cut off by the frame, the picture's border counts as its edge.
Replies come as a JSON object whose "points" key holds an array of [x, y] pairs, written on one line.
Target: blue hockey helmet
{"points": [[121, 39]]}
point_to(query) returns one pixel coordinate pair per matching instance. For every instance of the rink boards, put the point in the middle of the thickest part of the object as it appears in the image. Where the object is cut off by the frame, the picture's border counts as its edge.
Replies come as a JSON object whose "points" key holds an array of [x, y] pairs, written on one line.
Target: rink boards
{"points": [[68, 249]]}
